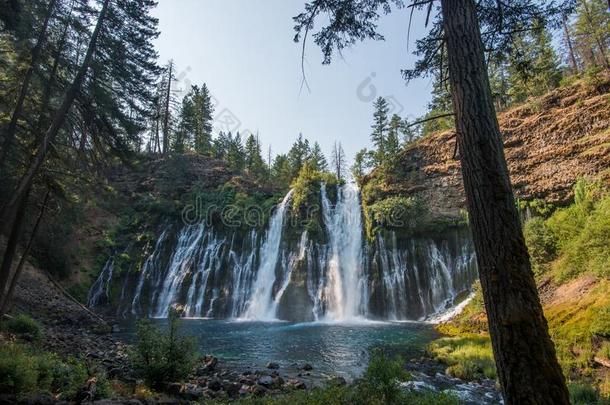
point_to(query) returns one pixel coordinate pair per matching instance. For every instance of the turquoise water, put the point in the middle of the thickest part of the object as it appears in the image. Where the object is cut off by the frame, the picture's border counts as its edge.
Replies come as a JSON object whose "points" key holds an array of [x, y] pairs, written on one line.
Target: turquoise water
{"points": [[332, 349]]}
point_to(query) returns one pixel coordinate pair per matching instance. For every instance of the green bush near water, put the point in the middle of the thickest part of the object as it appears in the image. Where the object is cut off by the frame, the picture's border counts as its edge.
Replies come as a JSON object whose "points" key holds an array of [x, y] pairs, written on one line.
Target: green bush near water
{"points": [[163, 357]]}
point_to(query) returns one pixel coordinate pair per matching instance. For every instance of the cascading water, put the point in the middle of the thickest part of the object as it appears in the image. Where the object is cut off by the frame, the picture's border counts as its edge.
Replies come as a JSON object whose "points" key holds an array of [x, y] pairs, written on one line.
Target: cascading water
{"points": [[100, 290], [332, 275], [261, 303], [346, 288]]}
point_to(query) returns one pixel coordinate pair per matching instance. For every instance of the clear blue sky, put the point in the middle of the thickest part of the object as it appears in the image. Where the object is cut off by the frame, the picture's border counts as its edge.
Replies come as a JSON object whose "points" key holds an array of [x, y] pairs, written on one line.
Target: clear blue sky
{"points": [[244, 51]]}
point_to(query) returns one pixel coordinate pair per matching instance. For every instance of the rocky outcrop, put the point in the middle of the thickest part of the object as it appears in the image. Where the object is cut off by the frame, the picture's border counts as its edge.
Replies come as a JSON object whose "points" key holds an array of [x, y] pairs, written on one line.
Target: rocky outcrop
{"points": [[549, 143]]}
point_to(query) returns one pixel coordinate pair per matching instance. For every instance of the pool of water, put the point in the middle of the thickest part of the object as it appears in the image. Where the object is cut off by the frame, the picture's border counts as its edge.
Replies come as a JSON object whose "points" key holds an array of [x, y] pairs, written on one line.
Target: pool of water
{"points": [[331, 348]]}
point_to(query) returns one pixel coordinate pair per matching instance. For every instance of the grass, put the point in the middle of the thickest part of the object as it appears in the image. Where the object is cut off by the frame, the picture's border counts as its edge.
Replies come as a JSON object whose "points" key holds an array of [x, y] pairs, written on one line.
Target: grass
{"points": [[468, 357]]}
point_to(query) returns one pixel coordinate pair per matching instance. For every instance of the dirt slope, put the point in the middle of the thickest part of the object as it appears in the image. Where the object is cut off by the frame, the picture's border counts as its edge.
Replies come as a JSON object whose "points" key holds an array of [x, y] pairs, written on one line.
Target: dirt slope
{"points": [[549, 143]]}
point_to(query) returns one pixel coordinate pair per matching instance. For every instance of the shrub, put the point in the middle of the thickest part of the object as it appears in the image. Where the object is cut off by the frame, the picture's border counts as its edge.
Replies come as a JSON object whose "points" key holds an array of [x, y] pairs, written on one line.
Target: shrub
{"points": [[541, 243], [163, 357], [382, 378], [24, 327], [24, 371]]}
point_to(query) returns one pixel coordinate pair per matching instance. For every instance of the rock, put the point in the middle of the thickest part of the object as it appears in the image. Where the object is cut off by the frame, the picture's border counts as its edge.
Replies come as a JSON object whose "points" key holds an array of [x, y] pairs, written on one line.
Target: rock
{"points": [[307, 367], [259, 390], [266, 381], [296, 384], [193, 392], [209, 365], [174, 388], [273, 366], [337, 381], [215, 384], [232, 388]]}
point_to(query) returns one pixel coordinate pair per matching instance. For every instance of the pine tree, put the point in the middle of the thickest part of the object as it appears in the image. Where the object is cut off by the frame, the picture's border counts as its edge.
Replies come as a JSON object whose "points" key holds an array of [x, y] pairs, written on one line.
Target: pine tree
{"points": [[299, 153], [281, 171], [361, 164], [380, 129], [254, 164], [393, 140], [235, 154], [526, 361], [591, 31], [317, 158]]}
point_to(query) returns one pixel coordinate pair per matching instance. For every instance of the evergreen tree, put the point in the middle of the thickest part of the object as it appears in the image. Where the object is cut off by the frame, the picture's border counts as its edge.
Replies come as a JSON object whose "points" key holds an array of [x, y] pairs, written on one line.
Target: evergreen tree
{"points": [[195, 121], [281, 171], [393, 140], [235, 154], [255, 165], [591, 31], [297, 156], [527, 365], [361, 164], [317, 158], [380, 129]]}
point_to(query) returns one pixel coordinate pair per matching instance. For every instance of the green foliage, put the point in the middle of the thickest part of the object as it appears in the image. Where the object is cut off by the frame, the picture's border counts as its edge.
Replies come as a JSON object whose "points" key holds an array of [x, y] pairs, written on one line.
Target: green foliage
{"points": [[306, 188], [582, 394], [405, 213], [163, 357], [541, 243], [23, 327], [469, 357], [25, 371], [573, 240], [382, 378]]}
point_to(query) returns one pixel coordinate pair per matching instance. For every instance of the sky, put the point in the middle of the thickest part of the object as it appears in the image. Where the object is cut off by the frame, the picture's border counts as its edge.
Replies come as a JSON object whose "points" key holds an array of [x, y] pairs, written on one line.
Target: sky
{"points": [[244, 51]]}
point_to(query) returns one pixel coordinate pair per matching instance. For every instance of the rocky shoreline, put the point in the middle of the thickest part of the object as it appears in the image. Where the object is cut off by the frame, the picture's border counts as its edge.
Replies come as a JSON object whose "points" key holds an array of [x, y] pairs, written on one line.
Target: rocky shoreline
{"points": [[71, 330]]}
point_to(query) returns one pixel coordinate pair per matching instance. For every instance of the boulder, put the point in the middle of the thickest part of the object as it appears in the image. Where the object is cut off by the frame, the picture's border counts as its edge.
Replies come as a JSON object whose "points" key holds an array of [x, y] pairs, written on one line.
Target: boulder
{"points": [[307, 367], [215, 384], [273, 366]]}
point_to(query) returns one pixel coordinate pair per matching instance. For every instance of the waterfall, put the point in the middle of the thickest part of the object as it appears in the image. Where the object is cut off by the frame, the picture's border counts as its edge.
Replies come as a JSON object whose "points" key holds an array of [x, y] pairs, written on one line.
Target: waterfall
{"points": [[346, 286], [100, 290], [150, 266], [261, 302], [180, 266], [293, 272]]}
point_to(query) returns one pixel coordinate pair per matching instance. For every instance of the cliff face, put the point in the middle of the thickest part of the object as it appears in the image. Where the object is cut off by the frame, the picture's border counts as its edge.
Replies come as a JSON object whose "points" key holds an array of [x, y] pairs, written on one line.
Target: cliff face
{"points": [[549, 143]]}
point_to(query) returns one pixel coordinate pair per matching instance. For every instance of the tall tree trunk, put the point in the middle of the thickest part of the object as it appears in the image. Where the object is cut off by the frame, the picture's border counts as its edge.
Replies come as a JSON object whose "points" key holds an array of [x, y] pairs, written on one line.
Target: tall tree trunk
{"points": [[5, 300], [598, 41], [58, 120], [525, 355], [9, 135], [11, 245], [166, 117], [566, 32]]}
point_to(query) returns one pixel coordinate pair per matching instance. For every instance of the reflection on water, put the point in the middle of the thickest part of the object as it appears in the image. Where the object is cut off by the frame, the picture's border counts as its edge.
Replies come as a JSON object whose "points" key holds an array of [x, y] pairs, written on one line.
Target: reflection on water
{"points": [[331, 348]]}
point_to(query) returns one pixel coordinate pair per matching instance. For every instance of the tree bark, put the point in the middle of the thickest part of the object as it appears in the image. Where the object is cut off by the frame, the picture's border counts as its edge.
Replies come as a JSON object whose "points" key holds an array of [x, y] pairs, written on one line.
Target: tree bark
{"points": [[9, 135], [566, 32], [525, 355], [166, 117], [6, 298], [59, 118], [11, 245]]}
